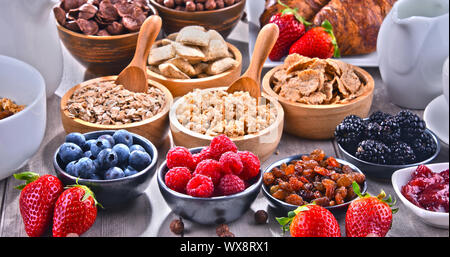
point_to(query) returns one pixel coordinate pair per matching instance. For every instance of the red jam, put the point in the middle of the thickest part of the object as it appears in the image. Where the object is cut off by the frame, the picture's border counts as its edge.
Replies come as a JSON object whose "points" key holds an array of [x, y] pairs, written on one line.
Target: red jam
{"points": [[428, 190]]}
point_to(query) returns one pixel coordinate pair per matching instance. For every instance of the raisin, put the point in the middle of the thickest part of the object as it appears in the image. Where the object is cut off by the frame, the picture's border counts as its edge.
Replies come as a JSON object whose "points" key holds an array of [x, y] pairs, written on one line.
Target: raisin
{"points": [[268, 178], [280, 194], [294, 199], [295, 183]]}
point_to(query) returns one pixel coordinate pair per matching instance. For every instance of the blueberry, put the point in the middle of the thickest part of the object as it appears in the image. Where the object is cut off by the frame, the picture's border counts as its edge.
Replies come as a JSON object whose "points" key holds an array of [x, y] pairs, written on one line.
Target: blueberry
{"points": [[70, 152], [95, 176], [137, 147], [114, 173], [89, 155], [85, 167], [87, 146], [123, 152], [139, 160], [100, 144], [123, 137], [107, 158], [129, 171], [76, 138], [70, 168], [109, 138]]}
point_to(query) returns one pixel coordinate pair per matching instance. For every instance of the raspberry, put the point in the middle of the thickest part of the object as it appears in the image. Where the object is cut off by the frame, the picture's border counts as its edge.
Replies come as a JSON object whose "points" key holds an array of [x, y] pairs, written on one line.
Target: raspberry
{"points": [[177, 178], [220, 145], [251, 165], [200, 186], [203, 155], [231, 163], [180, 157], [231, 184], [210, 168]]}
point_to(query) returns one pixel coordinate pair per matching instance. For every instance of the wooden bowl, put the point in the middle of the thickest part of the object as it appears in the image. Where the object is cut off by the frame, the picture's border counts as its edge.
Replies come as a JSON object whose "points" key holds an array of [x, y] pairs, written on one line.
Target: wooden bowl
{"points": [[154, 129], [100, 55], [320, 121], [222, 20], [263, 144], [180, 87]]}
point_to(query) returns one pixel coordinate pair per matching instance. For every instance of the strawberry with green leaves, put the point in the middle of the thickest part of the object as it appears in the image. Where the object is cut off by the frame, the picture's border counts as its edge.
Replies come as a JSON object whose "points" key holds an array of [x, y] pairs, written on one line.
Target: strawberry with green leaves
{"points": [[369, 215], [292, 27], [37, 201], [75, 211], [310, 221], [317, 42]]}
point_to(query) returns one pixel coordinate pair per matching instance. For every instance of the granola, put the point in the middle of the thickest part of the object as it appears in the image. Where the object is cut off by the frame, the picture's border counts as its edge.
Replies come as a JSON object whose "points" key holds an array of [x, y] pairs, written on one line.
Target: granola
{"points": [[317, 81], [215, 112], [9, 108], [109, 104]]}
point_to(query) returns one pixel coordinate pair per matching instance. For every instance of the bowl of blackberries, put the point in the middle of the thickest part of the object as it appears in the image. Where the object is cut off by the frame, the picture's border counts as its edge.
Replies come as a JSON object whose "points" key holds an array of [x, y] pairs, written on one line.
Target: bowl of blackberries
{"points": [[384, 143], [116, 165]]}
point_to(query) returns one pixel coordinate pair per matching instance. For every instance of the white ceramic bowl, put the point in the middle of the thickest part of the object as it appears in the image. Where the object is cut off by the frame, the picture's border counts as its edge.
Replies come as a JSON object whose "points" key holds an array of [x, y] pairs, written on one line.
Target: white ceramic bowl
{"points": [[401, 178], [21, 134], [445, 80]]}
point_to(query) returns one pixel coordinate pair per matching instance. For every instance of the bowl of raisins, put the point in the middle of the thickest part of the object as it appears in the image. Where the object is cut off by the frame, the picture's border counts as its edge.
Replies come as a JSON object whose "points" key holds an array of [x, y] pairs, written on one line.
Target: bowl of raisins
{"points": [[312, 178]]}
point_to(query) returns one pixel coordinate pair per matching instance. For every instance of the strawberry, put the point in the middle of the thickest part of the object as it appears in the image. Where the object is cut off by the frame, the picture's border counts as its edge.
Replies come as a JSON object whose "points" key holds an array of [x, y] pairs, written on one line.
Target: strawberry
{"points": [[317, 42], [37, 201], [75, 211], [369, 215], [310, 221], [292, 27]]}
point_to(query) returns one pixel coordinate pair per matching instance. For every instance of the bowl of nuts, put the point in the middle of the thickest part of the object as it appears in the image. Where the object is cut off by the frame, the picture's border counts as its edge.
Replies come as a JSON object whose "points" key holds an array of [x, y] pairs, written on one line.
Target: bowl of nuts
{"points": [[254, 126], [101, 35], [316, 94], [315, 177], [100, 104], [220, 15], [194, 58]]}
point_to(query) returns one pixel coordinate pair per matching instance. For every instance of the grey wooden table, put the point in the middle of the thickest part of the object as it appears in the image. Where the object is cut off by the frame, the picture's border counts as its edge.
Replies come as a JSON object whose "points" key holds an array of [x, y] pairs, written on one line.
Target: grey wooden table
{"points": [[149, 215]]}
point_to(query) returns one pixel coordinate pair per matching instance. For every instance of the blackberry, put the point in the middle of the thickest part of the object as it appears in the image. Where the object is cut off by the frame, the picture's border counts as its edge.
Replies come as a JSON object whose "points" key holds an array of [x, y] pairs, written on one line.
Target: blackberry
{"points": [[401, 154], [350, 132], [373, 151], [373, 131], [411, 125], [423, 146], [390, 131], [379, 117]]}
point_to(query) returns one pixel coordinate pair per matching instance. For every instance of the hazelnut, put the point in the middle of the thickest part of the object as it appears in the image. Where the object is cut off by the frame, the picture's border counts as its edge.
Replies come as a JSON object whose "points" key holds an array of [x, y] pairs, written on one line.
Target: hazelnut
{"points": [[261, 217], [177, 226]]}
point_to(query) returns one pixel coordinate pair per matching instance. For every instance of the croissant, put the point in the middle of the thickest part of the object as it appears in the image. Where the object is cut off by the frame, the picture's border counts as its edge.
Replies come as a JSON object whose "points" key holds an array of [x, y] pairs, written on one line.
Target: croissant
{"points": [[355, 22]]}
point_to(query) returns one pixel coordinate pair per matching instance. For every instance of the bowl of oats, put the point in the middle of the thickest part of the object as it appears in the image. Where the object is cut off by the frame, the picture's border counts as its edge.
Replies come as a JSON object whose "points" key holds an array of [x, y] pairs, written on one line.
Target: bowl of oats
{"points": [[317, 94], [22, 114], [100, 104], [255, 126], [194, 58]]}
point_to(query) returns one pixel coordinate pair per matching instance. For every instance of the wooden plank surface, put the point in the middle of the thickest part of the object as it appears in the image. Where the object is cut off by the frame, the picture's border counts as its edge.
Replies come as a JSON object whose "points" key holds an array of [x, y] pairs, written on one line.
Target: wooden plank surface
{"points": [[149, 215]]}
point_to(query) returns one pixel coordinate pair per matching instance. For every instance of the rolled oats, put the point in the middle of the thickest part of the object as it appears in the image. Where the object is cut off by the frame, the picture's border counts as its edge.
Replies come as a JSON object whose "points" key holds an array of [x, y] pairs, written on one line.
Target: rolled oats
{"points": [[9, 108], [109, 104], [214, 112]]}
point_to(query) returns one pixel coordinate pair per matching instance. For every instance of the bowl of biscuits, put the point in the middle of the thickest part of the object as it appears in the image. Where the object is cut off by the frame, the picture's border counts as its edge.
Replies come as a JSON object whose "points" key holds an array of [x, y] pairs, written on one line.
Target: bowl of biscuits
{"points": [[255, 126], [316, 94], [101, 35], [220, 15], [194, 58]]}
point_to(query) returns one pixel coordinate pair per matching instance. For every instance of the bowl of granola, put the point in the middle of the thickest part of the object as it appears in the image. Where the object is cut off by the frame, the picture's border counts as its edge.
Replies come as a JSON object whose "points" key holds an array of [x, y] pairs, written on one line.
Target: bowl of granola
{"points": [[255, 126], [317, 94], [22, 114], [194, 58], [100, 104]]}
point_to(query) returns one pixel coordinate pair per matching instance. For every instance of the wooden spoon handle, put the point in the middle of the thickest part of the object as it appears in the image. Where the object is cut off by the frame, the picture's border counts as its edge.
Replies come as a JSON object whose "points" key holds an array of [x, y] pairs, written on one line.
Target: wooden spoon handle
{"points": [[266, 40], [147, 36]]}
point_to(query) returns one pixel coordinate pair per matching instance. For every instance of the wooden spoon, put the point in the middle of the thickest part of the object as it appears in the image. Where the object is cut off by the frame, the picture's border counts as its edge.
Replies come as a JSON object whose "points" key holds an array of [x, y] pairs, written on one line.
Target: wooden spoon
{"points": [[134, 76], [250, 81]]}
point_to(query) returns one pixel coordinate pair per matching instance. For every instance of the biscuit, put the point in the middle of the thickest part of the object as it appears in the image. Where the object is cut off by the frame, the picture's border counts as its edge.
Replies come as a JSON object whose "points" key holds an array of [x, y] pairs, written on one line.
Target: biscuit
{"points": [[216, 49], [160, 54], [169, 70], [221, 66], [183, 66], [193, 35], [190, 53]]}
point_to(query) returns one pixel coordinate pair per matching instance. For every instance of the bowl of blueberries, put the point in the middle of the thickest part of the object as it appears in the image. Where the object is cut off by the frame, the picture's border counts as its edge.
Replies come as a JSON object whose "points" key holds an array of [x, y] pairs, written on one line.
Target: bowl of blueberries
{"points": [[116, 165]]}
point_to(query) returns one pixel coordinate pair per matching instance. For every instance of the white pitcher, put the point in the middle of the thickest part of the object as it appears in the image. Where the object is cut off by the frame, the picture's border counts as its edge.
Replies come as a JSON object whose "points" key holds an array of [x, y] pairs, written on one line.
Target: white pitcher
{"points": [[28, 32], [412, 46]]}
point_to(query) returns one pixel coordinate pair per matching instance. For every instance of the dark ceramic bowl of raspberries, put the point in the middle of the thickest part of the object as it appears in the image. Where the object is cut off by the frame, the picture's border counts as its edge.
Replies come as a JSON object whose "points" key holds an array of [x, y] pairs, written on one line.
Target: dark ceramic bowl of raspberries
{"points": [[282, 207], [116, 165], [383, 143], [210, 188]]}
